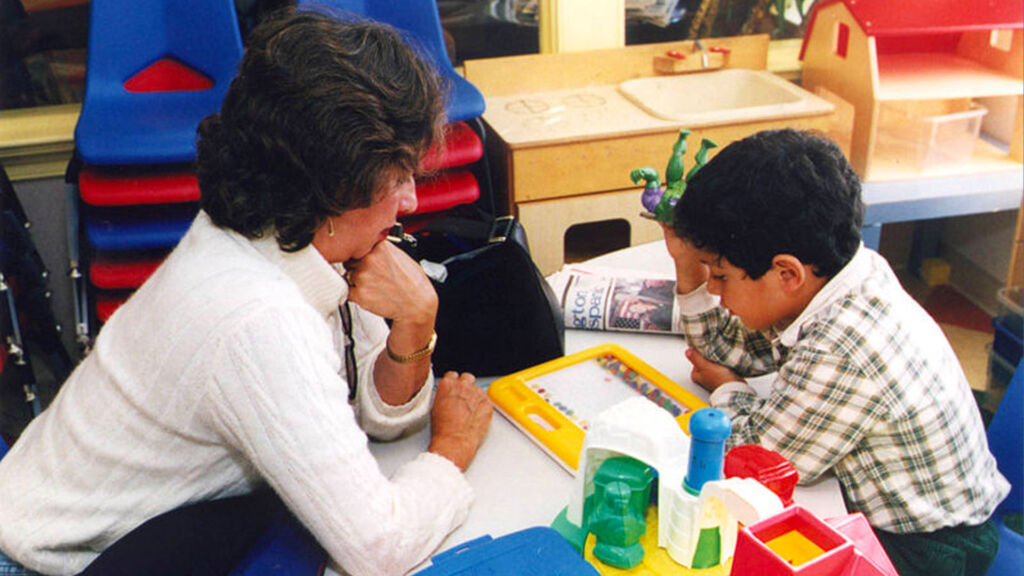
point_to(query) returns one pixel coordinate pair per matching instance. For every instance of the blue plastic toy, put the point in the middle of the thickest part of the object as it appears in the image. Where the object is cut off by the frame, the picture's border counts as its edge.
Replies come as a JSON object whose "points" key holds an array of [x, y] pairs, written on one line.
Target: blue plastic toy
{"points": [[537, 550], [709, 429]]}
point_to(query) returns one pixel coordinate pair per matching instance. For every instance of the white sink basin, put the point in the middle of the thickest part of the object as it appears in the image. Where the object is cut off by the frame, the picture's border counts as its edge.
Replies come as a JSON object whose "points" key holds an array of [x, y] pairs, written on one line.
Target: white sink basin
{"points": [[722, 97]]}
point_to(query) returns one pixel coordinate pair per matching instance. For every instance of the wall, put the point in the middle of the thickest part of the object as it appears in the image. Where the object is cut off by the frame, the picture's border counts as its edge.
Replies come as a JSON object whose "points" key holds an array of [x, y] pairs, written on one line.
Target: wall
{"points": [[978, 249]]}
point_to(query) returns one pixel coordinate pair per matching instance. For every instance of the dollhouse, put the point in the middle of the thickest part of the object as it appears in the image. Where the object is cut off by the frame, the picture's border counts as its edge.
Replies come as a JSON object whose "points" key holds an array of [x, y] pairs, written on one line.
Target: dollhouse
{"points": [[924, 75]]}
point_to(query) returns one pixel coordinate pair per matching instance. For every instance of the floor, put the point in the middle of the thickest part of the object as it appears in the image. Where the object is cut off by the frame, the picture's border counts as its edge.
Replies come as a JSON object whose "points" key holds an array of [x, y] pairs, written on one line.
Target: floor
{"points": [[969, 330]]}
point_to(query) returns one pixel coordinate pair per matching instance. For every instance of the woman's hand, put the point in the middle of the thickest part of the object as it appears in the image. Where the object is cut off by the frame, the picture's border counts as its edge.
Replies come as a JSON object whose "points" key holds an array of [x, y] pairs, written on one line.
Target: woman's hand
{"points": [[710, 375], [388, 283], [460, 418], [691, 272]]}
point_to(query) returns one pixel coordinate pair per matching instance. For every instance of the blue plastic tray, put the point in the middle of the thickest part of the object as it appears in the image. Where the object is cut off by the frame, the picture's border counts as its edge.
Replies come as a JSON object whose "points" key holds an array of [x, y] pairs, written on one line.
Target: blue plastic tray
{"points": [[534, 551]]}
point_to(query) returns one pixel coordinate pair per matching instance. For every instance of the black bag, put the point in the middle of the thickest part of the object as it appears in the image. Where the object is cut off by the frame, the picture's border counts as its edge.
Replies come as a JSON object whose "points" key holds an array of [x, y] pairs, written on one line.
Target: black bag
{"points": [[496, 312]]}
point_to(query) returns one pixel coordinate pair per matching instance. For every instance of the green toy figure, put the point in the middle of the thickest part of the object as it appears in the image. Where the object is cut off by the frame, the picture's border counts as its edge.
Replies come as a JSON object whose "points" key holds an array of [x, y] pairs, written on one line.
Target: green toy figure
{"points": [[659, 201], [623, 489]]}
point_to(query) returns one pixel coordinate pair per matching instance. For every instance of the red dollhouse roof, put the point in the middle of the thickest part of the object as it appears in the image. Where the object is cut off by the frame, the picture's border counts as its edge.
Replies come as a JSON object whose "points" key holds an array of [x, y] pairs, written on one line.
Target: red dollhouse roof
{"points": [[914, 17]]}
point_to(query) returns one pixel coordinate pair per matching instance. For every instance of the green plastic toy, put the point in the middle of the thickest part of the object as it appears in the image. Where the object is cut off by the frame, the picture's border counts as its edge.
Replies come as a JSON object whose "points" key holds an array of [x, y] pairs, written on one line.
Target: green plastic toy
{"points": [[621, 496], [659, 201]]}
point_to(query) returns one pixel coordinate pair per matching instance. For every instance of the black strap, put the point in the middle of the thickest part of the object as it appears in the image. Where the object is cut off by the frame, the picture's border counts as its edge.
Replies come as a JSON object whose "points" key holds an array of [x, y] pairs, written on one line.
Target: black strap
{"points": [[351, 370]]}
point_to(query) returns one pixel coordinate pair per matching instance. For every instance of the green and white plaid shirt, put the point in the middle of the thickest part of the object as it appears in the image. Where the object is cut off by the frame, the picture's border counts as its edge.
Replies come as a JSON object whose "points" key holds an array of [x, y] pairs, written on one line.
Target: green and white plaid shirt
{"points": [[865, 385]]}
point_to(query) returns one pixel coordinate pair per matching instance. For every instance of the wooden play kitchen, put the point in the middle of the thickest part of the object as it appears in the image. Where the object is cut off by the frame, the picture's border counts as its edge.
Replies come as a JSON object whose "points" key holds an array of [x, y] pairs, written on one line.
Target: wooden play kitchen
{"points": [[566, 129]]}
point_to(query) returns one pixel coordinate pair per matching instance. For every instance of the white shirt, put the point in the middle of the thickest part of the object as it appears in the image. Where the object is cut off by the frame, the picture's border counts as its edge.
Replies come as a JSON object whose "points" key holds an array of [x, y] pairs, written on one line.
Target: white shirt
{"points": [[224, 371]]}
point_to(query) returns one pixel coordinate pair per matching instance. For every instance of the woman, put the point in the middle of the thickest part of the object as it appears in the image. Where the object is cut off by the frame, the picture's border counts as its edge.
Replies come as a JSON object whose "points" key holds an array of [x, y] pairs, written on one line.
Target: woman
{"points": [[257, 355]]}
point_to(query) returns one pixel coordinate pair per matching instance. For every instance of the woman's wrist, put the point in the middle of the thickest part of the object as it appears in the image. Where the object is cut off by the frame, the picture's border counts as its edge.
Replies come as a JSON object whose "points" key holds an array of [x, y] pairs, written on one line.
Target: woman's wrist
{"points": [[460, 450], [409, 338], [416, 356]]}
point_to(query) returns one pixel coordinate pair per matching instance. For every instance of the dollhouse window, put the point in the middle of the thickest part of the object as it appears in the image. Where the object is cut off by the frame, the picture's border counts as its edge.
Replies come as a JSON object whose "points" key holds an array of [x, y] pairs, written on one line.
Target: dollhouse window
{"points": [[1001, 39], [842, 39]]}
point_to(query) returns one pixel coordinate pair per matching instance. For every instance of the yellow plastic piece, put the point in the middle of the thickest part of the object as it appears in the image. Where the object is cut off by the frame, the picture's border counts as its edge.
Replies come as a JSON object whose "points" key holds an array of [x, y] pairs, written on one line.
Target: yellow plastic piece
{"points": [[553, 424], [795, 548], [935, 271], [656, 560]]}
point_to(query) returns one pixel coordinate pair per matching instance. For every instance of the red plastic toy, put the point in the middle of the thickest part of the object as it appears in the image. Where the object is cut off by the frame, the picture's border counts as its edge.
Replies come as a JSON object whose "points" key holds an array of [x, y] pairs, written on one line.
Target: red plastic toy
{"points": [[765, 466]]}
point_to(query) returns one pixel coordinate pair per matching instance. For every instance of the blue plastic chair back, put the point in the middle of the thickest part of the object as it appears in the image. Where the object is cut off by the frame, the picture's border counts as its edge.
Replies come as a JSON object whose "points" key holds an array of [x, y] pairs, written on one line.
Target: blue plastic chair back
{"points": [[285, 550], [1006, 440], [421, 22], [3, 448], [118, 126], [144, 229], [1005, 434]]}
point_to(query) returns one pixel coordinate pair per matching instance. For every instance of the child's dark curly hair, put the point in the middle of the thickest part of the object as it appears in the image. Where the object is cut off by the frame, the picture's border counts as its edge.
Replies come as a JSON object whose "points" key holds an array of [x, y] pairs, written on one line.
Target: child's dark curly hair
{"points": [[322, 110], [775, 192]]}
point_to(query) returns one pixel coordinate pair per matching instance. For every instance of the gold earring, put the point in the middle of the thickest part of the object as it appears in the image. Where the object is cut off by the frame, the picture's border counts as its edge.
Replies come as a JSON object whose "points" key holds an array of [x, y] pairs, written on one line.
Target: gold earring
{"points": [[330, 227]]}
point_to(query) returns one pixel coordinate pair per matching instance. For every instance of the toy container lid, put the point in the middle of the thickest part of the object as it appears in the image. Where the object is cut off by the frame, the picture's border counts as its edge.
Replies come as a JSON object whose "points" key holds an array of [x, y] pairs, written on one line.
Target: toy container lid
{"points": [[538, 550]]}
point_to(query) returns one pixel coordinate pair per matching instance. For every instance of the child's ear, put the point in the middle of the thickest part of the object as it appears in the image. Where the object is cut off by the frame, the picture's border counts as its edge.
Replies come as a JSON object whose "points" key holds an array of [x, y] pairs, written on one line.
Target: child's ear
{"points": [[791, 271]]}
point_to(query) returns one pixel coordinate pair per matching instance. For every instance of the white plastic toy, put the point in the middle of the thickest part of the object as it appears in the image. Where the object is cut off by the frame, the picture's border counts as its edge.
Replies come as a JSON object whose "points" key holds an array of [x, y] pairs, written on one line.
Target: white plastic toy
{"points": [[698, 511]]}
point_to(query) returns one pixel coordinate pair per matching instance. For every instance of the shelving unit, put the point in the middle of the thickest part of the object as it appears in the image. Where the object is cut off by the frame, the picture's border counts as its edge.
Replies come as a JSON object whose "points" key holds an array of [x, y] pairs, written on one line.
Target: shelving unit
{"points": [[926, 56]]}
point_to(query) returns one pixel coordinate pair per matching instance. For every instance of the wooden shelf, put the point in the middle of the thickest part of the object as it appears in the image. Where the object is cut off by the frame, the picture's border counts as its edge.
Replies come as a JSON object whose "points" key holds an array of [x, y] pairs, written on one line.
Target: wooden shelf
{"points": [[987, 158], [940, 76]]}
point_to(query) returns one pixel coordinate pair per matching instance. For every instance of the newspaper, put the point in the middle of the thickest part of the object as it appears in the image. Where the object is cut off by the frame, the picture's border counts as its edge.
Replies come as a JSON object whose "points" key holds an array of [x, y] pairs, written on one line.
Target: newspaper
{"points": [[615, 299]]}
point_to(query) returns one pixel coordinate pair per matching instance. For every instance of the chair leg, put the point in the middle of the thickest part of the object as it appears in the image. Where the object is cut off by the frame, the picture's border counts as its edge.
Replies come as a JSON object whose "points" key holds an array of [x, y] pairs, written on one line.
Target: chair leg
{"points": [[16, 353], [76, 271]]}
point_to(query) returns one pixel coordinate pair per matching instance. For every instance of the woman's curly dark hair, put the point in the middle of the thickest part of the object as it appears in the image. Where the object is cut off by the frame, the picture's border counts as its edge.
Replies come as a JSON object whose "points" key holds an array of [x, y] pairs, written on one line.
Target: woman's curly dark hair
{"points": [[776, 192], [322, 110]]}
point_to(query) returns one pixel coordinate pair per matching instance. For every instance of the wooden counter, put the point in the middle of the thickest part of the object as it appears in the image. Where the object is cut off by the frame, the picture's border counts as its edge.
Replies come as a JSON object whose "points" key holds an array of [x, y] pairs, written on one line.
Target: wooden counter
{"points": [[564, 139]]}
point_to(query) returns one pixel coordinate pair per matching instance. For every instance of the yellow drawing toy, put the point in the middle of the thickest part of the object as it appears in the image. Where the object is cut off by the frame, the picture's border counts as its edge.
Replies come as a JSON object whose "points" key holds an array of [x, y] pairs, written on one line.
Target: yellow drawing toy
{"points": [[555, 402]]}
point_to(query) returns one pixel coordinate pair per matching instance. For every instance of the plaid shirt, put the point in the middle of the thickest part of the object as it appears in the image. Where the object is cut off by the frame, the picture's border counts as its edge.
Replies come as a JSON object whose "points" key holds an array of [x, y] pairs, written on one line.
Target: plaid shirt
{"points": [[865, 385]]}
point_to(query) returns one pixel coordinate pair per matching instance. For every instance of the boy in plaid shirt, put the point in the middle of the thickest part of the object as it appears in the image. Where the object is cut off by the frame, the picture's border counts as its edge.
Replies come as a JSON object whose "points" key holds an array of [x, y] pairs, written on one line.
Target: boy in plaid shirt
{"points": [[772, 277]]}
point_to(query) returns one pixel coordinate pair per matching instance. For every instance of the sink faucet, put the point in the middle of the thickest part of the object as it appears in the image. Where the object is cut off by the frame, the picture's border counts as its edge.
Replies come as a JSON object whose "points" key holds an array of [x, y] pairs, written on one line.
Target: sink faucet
{"points": [[697, 45]]}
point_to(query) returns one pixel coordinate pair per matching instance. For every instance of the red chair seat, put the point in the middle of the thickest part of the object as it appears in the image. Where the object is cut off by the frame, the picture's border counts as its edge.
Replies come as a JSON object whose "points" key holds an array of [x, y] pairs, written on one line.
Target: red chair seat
{"points": [[461, 146], [108, 302], [108, 188], [446, 190], [110, 272]]}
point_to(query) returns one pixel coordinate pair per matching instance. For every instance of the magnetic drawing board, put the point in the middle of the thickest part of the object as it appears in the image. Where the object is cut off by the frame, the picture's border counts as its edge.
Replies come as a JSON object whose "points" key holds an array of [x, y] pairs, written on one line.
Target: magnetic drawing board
{"points": [[554, 402]]}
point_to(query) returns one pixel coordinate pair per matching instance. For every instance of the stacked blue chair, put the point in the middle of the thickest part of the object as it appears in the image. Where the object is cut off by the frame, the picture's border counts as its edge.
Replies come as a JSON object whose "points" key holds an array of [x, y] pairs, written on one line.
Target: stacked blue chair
{"points": [[450, 179], [421, 23], [156, 68], [1006, 441]]}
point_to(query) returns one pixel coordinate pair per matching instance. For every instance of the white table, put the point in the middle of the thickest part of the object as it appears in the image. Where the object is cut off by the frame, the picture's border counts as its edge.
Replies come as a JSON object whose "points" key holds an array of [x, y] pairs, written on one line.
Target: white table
{"points": [[519, 486]]}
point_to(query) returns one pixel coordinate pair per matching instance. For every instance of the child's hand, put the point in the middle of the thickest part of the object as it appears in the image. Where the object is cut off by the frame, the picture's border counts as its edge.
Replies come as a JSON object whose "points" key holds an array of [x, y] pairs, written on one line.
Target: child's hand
{"points": [[690, 271], [708, 374]]}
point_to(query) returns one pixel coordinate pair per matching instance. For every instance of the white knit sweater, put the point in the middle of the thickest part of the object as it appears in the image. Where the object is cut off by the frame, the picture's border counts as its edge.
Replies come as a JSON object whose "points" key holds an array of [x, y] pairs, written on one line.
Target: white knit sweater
{"points": [[222, 373]]}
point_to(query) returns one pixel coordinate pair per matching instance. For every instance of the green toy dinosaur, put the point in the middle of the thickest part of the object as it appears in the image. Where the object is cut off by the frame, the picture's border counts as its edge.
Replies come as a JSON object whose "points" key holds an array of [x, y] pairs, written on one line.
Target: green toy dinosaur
{"points": [[658, 201]]}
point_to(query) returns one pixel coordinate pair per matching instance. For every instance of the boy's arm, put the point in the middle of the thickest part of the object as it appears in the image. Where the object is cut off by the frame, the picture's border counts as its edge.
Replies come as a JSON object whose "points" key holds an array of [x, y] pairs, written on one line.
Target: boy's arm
{"points": [[707, 327], [820, 407], [691, 273], [721, 338]]}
